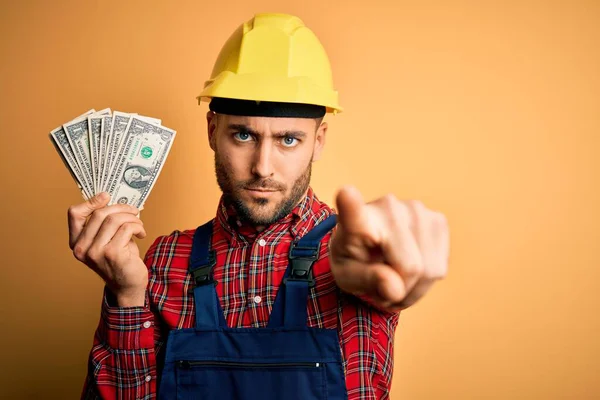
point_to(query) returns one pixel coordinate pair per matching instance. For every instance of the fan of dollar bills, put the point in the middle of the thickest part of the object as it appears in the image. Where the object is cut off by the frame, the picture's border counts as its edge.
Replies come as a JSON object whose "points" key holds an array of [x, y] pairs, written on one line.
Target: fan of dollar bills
{"points": [[118, 153]]}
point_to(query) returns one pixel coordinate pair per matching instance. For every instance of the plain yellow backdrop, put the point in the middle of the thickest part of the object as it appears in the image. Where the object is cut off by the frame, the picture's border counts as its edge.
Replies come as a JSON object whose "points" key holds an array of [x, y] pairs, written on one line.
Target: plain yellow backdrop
{"points": [[486, 110]]}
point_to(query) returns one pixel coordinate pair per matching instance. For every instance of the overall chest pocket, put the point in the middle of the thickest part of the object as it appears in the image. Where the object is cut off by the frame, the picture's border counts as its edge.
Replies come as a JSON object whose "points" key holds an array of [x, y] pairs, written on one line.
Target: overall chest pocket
{"points": [[250, 380]]}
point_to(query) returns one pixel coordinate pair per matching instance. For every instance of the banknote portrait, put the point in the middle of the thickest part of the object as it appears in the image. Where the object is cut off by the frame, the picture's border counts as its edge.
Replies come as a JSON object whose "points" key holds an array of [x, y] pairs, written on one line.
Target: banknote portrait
{"points": [[136, 177]]}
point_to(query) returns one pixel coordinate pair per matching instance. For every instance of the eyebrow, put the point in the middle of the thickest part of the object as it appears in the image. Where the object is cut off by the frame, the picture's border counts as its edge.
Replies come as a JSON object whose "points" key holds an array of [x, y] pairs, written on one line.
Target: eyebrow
{"points": [[245, 129]]}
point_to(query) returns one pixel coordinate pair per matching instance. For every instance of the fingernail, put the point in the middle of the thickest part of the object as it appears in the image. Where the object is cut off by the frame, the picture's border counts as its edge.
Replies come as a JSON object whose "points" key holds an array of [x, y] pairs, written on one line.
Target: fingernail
{"points": [[102, 195]]}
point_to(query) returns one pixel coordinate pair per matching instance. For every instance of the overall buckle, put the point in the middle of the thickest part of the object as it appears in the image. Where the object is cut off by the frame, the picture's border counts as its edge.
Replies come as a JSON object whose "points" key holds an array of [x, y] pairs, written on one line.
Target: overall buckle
{"points": [[203, 275], [301, 266]]}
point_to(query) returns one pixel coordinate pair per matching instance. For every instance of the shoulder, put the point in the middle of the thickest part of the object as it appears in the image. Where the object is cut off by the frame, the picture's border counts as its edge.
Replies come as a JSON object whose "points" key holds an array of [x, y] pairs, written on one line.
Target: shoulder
{"points": [[313, 214], [165, 248]]}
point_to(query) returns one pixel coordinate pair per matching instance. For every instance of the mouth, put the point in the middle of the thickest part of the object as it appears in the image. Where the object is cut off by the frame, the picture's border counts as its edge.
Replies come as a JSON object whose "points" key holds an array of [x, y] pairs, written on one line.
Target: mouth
{"points": [[262, 190]]}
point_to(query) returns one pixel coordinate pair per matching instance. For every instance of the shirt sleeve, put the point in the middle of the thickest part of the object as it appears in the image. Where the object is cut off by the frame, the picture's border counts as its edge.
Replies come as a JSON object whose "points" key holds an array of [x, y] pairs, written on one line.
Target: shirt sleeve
{"points": [[367, 343], [122, 362]]}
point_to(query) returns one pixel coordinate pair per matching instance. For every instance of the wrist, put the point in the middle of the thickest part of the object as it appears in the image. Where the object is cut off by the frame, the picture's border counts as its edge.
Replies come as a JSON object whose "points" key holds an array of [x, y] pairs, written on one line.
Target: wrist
{"points": [[131, 298]]}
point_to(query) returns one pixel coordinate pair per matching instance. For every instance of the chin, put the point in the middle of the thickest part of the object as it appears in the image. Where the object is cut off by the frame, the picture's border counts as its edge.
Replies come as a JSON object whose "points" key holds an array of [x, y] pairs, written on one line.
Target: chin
{"points": [[260, 210], [262, 213]]}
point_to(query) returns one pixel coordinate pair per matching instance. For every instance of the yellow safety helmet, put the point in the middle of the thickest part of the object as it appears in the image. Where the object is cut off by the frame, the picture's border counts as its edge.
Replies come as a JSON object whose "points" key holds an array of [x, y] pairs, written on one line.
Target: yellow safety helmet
{"points": [[275, 58]]}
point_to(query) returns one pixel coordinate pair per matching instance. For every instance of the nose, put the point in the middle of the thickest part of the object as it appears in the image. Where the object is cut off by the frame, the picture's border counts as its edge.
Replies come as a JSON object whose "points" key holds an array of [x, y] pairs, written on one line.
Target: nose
{"points": [[262, 165]]}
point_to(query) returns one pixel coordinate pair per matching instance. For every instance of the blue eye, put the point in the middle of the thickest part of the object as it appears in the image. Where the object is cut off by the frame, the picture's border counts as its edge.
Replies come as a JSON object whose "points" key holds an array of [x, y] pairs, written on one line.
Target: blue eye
{"points": [[242, 136], [289, 141]]}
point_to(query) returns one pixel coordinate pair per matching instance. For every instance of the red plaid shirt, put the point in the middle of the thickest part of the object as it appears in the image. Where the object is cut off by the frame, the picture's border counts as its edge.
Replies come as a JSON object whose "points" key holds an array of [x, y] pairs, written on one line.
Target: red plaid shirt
{"points": [[130, 342]]}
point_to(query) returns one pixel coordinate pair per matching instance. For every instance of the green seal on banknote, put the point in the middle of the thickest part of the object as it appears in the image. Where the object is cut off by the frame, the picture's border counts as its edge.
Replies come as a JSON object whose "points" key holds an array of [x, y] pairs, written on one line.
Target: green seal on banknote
{"points": [[146, 152]]}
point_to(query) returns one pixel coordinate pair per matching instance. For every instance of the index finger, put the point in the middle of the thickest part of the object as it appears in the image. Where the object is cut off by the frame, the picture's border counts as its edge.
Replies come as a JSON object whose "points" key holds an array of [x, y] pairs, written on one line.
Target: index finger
{"points": [[351, 211], [78, 214]]}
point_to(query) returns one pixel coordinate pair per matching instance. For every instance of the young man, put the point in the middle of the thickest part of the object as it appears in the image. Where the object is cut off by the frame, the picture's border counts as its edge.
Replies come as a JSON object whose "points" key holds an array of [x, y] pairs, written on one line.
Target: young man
{"points": [[265, 301]]}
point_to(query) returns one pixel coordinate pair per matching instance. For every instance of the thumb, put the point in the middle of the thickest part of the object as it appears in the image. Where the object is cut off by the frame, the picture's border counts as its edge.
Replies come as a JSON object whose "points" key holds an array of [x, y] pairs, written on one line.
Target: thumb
{"points": [[352, 214], [79, 213], [98, 201]]}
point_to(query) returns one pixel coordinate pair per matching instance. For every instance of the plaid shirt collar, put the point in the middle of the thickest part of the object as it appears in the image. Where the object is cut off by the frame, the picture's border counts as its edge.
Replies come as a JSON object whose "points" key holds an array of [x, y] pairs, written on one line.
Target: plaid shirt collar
{"points": [[240, 233]]}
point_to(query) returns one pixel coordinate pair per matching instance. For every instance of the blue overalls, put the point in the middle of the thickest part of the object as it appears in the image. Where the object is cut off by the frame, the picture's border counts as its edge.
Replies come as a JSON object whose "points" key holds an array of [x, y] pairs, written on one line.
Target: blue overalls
{"points": [[285, 360]]}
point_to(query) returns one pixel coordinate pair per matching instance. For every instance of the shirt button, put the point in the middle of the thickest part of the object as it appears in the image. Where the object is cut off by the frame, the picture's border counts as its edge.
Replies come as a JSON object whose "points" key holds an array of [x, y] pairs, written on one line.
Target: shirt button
{"points": [[147, 324], [148, 378], [262, 242], [257, 299]]}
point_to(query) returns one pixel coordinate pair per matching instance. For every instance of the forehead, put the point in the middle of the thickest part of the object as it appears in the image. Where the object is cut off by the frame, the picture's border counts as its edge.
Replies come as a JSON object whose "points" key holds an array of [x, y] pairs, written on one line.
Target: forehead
{"points": [[268, 125]]}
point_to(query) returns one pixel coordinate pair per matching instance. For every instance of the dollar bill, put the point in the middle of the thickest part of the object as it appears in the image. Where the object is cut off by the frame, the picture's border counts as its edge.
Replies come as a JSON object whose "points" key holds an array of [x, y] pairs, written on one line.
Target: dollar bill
{"points": [[77, 134], [94, 133], [120, 120], [57, 145], [60, 141], [141, 157], [154, 121], [104, 140], [118, 124]]}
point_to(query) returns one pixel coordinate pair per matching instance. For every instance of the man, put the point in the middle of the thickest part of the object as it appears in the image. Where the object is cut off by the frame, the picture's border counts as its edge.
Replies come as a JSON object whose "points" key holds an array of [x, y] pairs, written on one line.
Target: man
{"points": [[265, 301]]}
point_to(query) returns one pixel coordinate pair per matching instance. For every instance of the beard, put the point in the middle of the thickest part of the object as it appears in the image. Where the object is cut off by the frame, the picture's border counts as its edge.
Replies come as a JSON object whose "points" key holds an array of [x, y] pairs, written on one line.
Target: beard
{"points": [[256, 211]]}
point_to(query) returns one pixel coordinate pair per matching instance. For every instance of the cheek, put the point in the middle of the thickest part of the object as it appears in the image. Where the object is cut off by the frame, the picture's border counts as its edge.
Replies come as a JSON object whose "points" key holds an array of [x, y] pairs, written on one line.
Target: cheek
{"points": [[234, 162], [292, 166]]}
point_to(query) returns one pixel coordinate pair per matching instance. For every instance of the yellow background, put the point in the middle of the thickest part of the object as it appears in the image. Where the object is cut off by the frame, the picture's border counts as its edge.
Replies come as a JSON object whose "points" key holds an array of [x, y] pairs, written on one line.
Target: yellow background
{"points": [[486, 110]]}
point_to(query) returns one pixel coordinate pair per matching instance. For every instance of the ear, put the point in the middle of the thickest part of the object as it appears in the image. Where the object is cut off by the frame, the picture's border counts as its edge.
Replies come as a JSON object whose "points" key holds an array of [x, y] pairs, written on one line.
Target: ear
{"points": [[211, 121], [320, 136]]}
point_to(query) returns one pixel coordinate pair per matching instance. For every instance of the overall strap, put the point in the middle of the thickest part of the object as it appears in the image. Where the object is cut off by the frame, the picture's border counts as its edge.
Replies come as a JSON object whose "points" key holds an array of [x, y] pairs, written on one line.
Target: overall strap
{"points": [[291, 306], [202, 263]]}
